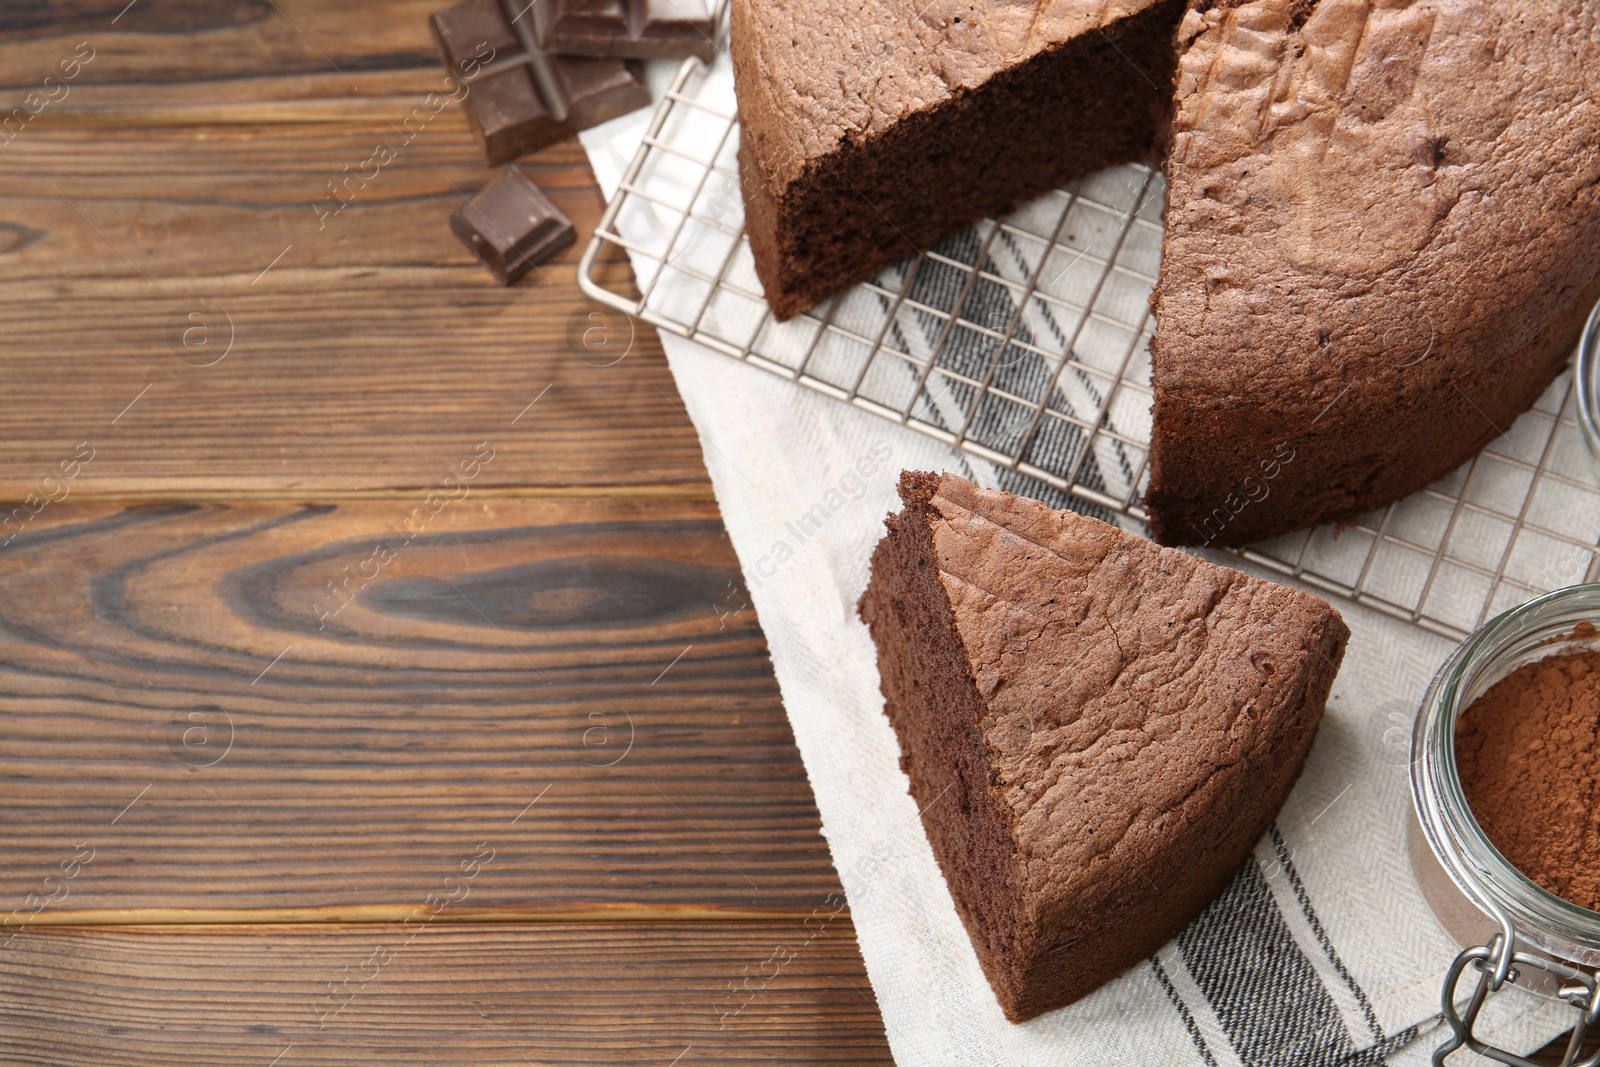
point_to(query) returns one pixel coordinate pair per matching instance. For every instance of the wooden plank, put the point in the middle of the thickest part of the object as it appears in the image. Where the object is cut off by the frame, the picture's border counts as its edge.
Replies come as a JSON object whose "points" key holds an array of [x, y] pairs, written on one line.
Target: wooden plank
{"points": [[283, 708], [1552, 1053], [174, 300], [220, 202], [230, 60], [681, 993]]}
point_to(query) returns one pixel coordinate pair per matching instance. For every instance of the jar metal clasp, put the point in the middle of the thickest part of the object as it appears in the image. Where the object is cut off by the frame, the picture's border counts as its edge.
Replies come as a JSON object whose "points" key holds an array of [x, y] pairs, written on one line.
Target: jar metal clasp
{"points": [[1497, 963]]}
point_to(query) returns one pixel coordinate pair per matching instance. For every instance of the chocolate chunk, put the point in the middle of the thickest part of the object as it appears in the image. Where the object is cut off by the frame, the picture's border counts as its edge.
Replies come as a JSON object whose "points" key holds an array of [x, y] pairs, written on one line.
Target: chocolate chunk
{"points": [[511, 225], [520, 98], [473, 35], [639, 29]]}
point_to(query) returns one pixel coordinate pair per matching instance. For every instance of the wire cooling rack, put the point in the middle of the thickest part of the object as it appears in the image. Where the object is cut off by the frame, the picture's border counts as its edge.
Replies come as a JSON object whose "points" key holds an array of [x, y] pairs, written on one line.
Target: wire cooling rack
{"points": [[1023, 342]]}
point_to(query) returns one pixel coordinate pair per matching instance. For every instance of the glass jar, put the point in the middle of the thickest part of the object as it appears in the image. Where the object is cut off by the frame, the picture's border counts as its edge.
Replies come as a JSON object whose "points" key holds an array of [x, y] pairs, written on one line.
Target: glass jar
{"points": [[1517, 931], [1586, 379]]}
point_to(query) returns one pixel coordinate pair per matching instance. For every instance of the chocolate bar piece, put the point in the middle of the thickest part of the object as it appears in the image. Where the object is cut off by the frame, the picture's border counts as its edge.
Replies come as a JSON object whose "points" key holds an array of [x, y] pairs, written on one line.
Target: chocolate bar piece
{"points": [[637, 29], [519, 97], [511, 225]]}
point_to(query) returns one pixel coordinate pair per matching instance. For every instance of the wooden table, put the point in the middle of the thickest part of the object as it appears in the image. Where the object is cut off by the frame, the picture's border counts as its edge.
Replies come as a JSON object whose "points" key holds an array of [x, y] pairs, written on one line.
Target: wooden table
{"points": [[376, 680]]}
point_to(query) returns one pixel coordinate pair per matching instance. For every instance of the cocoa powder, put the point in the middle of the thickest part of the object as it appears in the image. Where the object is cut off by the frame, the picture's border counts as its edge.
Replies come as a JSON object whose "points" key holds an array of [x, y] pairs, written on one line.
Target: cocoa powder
{"points": [[1528, 751]]}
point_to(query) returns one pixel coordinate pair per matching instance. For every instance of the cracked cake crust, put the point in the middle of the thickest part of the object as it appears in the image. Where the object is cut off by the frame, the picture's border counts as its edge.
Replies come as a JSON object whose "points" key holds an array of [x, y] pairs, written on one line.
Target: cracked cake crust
{"points": [[1383, 235]]}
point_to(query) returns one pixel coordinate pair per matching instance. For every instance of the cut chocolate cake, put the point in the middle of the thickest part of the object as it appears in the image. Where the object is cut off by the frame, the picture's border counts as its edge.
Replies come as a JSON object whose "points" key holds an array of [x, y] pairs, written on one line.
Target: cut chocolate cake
{"points": [[1383, 220], [871, 130], [1097, 729], [1383, 235]]}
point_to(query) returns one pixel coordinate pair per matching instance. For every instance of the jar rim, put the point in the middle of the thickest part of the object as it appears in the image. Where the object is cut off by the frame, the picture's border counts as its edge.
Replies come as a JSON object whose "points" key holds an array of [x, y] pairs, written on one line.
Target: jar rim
{"points": [[1491, 881]]}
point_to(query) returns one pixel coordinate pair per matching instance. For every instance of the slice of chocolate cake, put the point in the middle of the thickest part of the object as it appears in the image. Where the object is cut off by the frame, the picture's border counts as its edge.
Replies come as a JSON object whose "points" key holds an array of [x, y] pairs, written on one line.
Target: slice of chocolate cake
{"points": [[869, 133], [1097, 729]]}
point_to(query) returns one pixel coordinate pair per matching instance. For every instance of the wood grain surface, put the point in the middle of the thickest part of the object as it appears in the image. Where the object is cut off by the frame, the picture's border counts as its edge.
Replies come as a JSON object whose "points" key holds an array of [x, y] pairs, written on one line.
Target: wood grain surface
{"points": [[636, 993], [1550, 1055], [142, 317], [209, 61], [326, 706], [268, 653]]}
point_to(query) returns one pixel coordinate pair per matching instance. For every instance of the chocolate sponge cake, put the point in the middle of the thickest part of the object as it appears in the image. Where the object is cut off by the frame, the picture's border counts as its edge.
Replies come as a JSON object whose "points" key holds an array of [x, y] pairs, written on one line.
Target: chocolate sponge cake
{"points": [[871, 129], [1382, 225], [1097, 729], [1383, 235]]}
